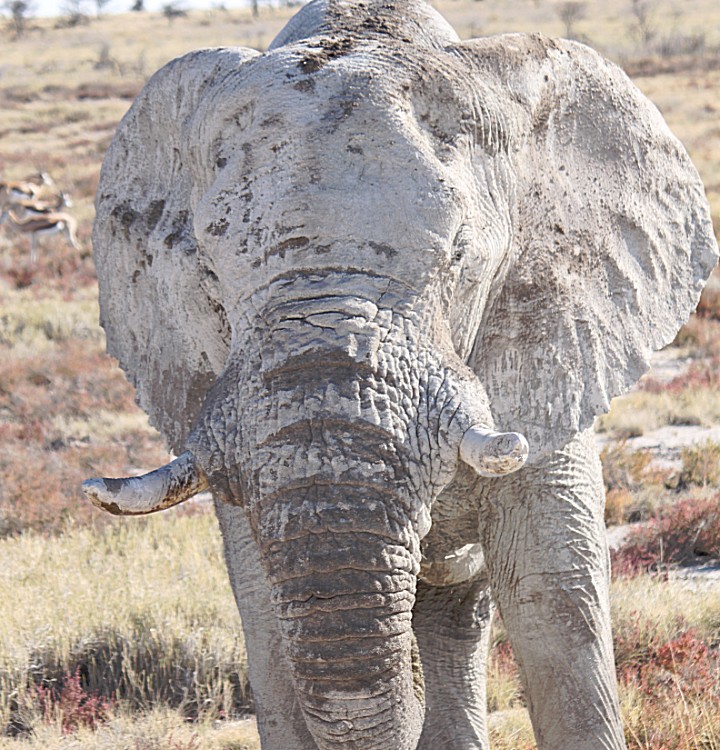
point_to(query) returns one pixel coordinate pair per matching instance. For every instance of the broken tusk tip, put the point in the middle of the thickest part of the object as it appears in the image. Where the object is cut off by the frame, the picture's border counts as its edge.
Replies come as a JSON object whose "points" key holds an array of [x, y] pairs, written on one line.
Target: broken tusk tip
{"points": [[494, 454], [92, 487], [98, 493], [95, 490]]}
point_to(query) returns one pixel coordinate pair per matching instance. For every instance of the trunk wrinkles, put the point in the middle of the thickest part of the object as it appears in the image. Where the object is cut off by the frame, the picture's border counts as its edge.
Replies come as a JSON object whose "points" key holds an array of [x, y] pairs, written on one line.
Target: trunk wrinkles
{"points": [[329, 451]]}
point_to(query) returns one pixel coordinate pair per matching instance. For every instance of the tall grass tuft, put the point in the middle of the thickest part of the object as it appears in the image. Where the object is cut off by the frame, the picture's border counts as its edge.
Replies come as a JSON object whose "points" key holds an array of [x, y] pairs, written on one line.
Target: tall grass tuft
{"points": [[701, 464], [141, 611]]}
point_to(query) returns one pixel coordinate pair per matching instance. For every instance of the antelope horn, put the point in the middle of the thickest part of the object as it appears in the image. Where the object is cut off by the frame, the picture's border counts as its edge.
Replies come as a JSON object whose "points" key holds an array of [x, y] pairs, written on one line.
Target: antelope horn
{"points": [[136, 496], [493, 454]]}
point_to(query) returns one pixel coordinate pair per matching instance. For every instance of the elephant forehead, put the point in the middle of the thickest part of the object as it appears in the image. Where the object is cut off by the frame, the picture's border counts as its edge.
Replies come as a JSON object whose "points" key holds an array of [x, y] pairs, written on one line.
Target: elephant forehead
{"points": [[321, 164], [315, 88]]}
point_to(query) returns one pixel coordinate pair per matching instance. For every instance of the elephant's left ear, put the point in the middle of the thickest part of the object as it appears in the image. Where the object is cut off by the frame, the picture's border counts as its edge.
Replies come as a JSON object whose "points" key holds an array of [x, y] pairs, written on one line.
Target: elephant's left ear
{"points": [[159, 299], [612, 239]]}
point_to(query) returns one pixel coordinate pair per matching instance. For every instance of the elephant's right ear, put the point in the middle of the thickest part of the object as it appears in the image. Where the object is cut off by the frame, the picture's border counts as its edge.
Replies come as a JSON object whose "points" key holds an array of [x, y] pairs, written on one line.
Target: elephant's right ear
{"points": [[611, 238], [159, 302]]}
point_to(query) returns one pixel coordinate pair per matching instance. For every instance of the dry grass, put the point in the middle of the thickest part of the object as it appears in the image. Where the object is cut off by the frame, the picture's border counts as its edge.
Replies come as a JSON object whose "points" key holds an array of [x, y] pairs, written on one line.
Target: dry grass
{"points": [[157, 729], [143, 609], [66, 413], [666, 640], [511, 730], [174, 641], [633, 485], [641, 411], [679, 532], [637, 488], [29, 326], [646, 609]]}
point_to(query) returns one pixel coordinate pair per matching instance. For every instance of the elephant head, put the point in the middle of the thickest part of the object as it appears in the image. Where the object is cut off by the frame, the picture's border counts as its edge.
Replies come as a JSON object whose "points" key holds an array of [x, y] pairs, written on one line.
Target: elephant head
{"points": [[340, 272]]}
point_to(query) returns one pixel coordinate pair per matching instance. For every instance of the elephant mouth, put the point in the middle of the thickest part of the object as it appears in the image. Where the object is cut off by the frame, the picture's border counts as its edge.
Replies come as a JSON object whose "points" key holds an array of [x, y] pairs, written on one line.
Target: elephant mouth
{"points": [[348, 365], [490, 453]]}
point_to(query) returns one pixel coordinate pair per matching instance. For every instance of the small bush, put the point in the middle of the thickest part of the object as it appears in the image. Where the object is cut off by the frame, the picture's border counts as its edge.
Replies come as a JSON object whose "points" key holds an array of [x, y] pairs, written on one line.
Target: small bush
{"points": [[669, 678], [106, 89], [674, 681], [624, 469], [699, 375], [634, 644], [619, 502], [709, 305], [72, 705], [678, 534], [68, 412], [677, 43], [701, 334], [701, 464]]}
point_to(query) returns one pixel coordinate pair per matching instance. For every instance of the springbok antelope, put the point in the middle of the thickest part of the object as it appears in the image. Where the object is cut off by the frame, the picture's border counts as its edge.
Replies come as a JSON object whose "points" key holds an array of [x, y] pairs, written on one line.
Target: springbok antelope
{"points": [[27, 189], [41, 224], [35, 206]]}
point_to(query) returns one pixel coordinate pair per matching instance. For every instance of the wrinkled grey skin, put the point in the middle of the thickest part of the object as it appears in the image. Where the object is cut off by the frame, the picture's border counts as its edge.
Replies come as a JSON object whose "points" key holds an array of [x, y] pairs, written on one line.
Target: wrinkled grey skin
{"points": [[319, 266]]}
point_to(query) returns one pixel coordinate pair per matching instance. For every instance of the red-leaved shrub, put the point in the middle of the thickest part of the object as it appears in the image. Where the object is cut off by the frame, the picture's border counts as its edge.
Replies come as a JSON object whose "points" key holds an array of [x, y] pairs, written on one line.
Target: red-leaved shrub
{"points": [[74, 706], [503, 659], [703, 374], [684, 665], [679, 533]]}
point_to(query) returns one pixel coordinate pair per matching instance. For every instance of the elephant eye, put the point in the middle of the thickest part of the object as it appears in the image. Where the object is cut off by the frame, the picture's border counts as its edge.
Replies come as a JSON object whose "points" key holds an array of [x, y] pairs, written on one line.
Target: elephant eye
{"points": [[440, 123], [461, 243], [451, 114]]}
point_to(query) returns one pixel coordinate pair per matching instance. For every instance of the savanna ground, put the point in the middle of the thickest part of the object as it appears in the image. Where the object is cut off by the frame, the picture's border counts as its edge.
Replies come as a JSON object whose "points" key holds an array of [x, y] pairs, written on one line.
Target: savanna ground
{"points": [[123, 633]]}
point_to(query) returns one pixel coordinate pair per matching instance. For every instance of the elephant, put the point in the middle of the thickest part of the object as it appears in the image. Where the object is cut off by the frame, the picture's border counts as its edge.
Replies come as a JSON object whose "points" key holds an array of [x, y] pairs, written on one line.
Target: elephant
{"points": [[373, 286]]}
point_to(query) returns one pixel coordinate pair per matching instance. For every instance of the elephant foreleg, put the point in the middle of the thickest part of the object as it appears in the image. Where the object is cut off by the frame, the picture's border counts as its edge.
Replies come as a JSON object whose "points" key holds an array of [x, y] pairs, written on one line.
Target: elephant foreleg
{"points": [[546, 552], [452, 627], [280, 721]]}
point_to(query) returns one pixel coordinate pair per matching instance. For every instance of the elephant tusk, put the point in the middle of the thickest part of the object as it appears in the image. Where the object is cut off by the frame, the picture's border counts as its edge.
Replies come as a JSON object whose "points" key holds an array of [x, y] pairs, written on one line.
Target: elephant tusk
{"points": [[136, 496], [493, 454]]}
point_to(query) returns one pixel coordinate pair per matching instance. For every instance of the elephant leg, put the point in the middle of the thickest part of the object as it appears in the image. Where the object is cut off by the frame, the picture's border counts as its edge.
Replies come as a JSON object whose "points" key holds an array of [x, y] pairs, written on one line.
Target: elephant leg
{"points": [[452, 627], [546, 551], [280, 721]]}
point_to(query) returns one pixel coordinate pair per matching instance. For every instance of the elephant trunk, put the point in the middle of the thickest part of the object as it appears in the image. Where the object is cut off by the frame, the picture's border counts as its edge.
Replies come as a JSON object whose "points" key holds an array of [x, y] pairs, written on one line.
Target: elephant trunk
{"points": [[343, 585]]}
